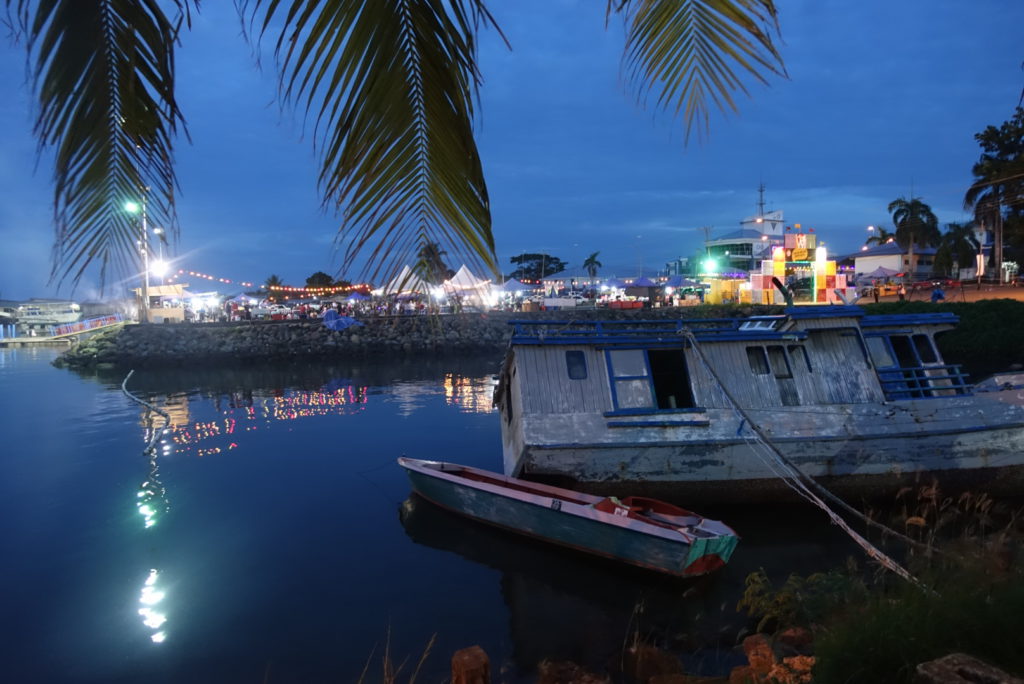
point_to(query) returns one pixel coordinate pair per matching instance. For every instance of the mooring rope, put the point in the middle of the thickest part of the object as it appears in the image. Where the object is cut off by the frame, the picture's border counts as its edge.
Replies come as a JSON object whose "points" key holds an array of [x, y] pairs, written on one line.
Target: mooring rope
{"points": [[800, 482], [163, 414]]}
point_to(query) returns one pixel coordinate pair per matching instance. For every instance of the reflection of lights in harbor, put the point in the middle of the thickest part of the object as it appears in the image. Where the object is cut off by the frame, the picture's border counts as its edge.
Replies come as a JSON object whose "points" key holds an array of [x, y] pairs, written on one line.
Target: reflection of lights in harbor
{"points": [[151, 596], [243, 413], [151, 499], [473, 395], [249, 410]]}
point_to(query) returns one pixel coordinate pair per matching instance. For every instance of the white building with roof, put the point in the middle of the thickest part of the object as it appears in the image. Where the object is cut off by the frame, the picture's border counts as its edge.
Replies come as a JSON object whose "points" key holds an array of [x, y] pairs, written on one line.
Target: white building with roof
{"points": [[744, 249]]}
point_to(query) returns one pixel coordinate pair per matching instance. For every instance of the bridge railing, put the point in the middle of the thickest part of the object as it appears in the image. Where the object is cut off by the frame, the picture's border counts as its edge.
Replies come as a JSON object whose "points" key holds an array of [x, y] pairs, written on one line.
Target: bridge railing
{"points": [[87, 324]]}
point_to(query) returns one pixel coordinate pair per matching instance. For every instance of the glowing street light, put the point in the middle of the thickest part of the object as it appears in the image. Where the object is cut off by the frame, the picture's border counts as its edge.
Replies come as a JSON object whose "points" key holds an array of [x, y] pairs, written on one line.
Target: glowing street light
{"points": [[159, 268], [135, 208]]}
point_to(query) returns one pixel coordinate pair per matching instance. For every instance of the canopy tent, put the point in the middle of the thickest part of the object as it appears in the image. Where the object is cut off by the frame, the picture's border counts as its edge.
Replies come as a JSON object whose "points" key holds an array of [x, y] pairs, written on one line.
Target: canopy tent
{"points": [[616, 282], [678, 281], [513, 285], [406, 281], [464, 280], [356, 297], [881, 272], [643, 282]]}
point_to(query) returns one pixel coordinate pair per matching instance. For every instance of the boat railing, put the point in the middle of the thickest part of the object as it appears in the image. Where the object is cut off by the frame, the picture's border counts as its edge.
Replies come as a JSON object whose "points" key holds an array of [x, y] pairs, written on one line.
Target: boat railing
{"points": [[924, 382]]}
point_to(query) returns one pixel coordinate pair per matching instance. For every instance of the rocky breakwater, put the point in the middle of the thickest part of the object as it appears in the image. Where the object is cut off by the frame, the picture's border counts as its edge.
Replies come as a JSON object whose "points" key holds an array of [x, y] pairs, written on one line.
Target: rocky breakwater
{"points": [[134, 346], [181, 344]]}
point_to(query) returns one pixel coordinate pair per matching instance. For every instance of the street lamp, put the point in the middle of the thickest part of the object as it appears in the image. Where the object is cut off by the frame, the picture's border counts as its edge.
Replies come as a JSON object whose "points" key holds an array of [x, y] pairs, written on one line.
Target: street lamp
{"points": [[136, 208]]}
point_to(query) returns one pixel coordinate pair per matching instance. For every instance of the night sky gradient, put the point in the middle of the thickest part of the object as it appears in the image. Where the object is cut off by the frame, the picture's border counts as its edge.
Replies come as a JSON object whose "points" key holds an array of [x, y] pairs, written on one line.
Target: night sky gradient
{"points": [[883, 99]]}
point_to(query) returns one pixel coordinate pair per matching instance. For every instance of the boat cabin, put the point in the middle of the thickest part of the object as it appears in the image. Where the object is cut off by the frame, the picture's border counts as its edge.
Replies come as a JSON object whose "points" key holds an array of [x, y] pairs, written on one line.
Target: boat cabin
{"points": [[568, 384]]}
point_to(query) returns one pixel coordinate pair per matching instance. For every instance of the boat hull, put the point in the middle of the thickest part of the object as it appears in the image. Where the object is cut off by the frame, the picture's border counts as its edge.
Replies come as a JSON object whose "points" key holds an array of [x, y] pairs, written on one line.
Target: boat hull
{"points": [[570, 525], [863, 451]]}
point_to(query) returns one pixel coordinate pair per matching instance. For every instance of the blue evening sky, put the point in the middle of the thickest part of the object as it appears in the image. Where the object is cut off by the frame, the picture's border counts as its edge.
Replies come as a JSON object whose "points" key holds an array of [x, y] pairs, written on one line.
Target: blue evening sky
{"points": [[883, 99]]}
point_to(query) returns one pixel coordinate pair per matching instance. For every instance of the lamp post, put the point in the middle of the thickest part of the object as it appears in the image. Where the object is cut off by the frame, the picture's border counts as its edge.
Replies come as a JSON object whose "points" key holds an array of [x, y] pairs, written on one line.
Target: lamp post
{"points": [[136, 208]]}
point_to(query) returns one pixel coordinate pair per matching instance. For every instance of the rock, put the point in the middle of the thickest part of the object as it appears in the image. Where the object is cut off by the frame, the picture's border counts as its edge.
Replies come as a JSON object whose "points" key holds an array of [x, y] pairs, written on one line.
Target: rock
{"points": [[564, 672], [795, 639], [471, 666], [960, 668], [759, 653], [743, 674], [642, 662], [687, 679]]}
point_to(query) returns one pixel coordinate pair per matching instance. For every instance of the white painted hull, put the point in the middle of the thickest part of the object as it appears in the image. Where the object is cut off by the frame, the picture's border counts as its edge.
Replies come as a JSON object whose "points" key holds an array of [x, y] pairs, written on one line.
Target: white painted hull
{"points": [[860, 449]]}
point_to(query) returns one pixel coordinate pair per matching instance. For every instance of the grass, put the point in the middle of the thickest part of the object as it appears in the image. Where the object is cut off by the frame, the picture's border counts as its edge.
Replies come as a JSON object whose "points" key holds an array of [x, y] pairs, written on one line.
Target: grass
{"points": [[871, 626]]}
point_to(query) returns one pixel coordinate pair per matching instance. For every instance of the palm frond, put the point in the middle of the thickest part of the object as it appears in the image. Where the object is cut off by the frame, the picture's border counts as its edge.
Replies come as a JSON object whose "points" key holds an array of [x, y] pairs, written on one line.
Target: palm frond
{"points": [[103, 72], [391, 89], [691, 55]]}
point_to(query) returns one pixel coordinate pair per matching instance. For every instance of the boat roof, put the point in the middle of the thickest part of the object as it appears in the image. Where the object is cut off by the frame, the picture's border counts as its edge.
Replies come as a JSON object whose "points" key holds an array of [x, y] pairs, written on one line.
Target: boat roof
{"points": [[790, 325]]}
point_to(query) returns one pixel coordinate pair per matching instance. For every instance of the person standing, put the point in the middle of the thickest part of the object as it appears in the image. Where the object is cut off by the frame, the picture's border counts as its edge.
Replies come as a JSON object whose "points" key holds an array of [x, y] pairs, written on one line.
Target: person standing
{"points": [[901, 292]]}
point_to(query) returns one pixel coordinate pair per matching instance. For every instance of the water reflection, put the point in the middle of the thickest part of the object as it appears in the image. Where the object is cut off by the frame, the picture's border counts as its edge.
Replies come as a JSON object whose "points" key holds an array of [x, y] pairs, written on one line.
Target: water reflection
{"points": [[568, 605], [151, 497], [565, 605], [243, 411], [152, 595]]}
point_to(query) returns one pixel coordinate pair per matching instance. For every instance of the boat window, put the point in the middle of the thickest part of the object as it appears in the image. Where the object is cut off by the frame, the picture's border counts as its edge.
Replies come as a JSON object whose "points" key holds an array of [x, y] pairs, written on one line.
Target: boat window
{"points": [[758, 360], [671, 378], [576, 364], [628, 362], [631, 384], [880, 352], [925, 350], [779, 364], [798, 357], [906, 356]]}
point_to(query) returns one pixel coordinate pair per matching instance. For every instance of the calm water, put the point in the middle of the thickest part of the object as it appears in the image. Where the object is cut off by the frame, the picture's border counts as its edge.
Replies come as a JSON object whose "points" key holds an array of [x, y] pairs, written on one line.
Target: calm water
{"points": [[274, 538]]}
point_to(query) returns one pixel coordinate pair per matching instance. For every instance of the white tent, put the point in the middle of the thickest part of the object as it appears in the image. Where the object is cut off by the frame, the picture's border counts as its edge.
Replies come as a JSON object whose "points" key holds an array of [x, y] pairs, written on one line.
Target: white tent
{"points": [[406, 281], [464, 280]]}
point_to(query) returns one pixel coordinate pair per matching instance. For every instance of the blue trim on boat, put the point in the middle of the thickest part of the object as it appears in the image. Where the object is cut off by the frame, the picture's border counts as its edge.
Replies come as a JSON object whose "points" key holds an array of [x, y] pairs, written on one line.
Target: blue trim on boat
{"points": [[659, 423], [889, 320], [651, 411]]}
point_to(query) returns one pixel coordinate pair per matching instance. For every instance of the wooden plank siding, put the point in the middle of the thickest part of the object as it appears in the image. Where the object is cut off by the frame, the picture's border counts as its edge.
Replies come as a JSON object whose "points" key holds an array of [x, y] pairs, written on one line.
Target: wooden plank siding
{"points": [[838, 374], [547, 387], [844, 376]]}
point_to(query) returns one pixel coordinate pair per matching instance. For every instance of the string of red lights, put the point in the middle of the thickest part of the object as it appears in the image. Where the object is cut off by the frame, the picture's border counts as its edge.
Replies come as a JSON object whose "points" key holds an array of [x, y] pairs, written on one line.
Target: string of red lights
{"points": [[277, 288]]}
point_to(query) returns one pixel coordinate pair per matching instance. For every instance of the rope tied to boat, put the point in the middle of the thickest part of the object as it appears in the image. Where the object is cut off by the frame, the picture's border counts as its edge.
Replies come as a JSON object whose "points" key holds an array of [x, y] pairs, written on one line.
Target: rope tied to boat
{"points": [[151, 446], [801, 483]]}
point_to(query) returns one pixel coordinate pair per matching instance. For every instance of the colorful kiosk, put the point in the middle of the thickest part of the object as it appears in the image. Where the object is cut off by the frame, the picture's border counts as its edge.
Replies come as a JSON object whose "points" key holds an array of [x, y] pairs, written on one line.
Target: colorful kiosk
{"points": [[799, 262]]}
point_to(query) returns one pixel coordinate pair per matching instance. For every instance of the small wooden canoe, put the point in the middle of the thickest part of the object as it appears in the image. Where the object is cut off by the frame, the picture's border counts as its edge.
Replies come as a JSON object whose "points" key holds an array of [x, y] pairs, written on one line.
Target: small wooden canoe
{"points": [[644, 532]]}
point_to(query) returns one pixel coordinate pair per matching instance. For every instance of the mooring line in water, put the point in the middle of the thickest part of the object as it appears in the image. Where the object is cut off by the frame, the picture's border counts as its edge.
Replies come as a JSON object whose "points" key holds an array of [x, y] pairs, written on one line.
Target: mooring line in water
{"points": [[163, 414], [801, 483]]}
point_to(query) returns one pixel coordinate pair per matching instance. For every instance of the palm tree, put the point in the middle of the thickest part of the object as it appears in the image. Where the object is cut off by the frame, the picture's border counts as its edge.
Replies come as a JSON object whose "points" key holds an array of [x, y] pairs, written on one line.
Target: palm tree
{"points": [[997, 195], [957, 247], [430, 265], [880, 236], [916, 225], [591, 265], [271, 283], [391, 88]]}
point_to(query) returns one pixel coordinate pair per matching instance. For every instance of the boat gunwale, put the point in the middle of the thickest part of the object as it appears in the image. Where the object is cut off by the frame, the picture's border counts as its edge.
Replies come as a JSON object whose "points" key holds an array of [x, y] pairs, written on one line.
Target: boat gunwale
{"points": [[587, 511]]}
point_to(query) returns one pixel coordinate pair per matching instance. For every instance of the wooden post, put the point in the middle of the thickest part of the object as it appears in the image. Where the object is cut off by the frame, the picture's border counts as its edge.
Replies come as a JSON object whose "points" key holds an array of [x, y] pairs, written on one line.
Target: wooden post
{"points": [[471, 666]]}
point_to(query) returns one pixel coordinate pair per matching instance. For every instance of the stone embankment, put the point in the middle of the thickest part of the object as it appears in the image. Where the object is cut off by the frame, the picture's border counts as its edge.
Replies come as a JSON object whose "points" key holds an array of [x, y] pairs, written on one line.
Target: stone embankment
{"points": [[183, 344]]}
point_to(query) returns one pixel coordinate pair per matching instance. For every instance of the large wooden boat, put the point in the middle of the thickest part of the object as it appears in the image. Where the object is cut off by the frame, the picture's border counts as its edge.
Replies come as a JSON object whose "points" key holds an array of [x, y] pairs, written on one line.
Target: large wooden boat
{"points": [[643, 532], [692, 409]]}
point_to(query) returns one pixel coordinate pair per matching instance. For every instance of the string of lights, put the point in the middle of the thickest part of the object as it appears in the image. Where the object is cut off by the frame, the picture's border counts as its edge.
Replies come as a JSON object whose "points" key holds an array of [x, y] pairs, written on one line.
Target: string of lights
{"points": [[322, 290]]}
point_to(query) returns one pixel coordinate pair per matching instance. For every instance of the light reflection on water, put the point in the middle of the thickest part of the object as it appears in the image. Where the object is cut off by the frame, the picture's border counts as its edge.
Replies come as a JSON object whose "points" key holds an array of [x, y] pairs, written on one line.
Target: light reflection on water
{"points": [[283, 557]]}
